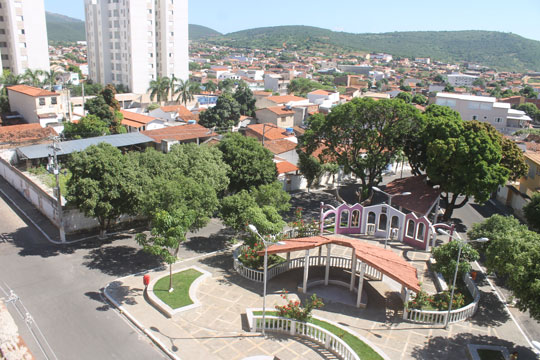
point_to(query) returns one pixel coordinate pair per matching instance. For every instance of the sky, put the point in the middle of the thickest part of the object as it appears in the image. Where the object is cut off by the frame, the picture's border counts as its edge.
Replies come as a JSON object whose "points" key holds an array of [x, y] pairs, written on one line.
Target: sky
{"points": [[357, 16]]}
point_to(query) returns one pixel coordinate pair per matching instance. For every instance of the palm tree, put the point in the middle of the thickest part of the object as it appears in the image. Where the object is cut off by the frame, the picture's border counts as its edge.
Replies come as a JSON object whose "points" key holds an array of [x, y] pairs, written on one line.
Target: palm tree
{"points": [[210, 86], [195, 87], [9, 79], [171, 87], [50, 78], [184, 91], [159, 89], [32, 77]]}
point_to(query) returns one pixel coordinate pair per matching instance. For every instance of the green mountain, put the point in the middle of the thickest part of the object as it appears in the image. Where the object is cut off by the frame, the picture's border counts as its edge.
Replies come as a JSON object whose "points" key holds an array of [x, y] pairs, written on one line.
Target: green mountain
{"points": [[197, 32], [64, 28], [504, 51]]}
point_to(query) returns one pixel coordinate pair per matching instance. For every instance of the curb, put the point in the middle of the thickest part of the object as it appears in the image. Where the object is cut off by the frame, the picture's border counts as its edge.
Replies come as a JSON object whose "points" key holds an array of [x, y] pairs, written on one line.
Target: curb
{"points": [[135, 322]]}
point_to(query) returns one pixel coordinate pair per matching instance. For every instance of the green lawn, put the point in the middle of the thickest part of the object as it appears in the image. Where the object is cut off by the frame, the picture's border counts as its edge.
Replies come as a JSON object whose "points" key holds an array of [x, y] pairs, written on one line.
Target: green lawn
{"points": [[50, 179], [487, 354], [181, 282], [360, 347]]}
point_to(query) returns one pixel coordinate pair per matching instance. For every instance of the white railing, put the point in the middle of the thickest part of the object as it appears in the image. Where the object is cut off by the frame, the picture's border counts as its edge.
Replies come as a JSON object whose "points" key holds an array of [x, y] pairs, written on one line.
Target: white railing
{"points": [[310, 331], [296, 263], [439, 317]]}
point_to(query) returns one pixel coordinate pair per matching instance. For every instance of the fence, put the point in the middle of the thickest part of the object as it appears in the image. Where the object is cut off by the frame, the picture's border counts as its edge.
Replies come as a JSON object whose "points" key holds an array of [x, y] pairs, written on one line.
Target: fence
{"points": [[307, 330], [439, 317], [296, 263]]}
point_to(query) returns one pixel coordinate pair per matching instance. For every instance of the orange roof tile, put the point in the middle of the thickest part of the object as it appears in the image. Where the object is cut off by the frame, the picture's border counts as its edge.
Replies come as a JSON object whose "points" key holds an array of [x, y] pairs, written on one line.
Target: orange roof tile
{"points": [[138, 118], [180, 133], [24, 133], [533, 156], [31, 91], [319, 92], [279, 110], [283, 99], [284, 167], [271, 131], [280, 146], [181, 110], [386, 261]]}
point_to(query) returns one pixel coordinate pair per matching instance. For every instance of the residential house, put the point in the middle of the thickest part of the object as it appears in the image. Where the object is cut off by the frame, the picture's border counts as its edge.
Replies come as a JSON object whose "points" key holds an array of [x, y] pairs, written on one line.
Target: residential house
{"points": [[24, 135], [457, 79], [217, 71], [37, 105], [278, 83], [173, 113], [169, 136], [485, 109], [530, 184], [284, 149], [138, 122], [281, 116], [270, 132], [281, 100]]}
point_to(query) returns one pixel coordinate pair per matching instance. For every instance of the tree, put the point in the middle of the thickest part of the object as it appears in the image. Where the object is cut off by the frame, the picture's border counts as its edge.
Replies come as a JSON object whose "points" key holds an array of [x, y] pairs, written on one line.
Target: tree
{"points": [[446, 257], [531, 110], [310, 167], [532, 212], [405, 88], [86, 127], [462, 157], [272, 195], [244, 96], [159, 89], [479, 82], [223, 116], [438, 78], [50, 78], [513, 253], [171, 87], [101, 184], [362, 136], [302, 86], [251, 165], [226, 85], [210, 86], [448, 88], [419, 99], [168, 232], [184, 91], [193, 66], [405, 96], [32, 76], [9, 79], [106, 107], [98, 106], [108, 93], [528, 92]]}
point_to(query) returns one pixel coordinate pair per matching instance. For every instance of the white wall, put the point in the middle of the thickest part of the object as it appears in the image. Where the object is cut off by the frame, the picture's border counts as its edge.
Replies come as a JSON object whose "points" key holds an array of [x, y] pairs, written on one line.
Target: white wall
{"points": [[36, 34]]}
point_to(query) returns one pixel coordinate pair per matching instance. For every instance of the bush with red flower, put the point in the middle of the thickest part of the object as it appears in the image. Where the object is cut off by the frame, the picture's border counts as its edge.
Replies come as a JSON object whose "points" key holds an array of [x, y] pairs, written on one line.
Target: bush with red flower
{"points": [[303, 228], [294, 309]]}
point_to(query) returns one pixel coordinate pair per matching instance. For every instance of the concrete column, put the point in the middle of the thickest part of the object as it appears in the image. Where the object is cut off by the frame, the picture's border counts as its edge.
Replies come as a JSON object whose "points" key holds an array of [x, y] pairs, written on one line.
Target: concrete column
{"points": [[289, 260], [306, 271], [360, 284], [327, 270], [320, 256], [353, 270]]}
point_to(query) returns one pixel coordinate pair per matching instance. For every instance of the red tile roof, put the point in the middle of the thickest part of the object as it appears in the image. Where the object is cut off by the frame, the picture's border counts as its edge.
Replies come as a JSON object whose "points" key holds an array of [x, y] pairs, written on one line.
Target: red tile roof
{"points": [[25, 133], [280, 146], [384, 260], [271, 131], [284, 167], [283, 99], [533, 156], [181, 110], [422, 196], [31, 91], [135, 120], [180, 133], [279, 110], [319, 92]]}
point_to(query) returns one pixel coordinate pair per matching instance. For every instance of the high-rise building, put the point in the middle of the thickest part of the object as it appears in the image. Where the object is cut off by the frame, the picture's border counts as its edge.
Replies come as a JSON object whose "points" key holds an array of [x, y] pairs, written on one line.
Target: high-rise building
{"points": [[133, 42], [23, 36]]}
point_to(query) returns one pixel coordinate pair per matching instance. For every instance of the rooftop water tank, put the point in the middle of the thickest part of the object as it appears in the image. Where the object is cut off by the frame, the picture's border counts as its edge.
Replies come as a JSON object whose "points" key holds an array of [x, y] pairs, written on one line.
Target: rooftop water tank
{"points": [[191, 122]]}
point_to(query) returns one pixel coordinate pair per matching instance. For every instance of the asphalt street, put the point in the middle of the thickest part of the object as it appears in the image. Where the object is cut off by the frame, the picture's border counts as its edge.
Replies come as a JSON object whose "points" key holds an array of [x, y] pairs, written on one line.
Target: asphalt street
{"points": [[61, 288]]}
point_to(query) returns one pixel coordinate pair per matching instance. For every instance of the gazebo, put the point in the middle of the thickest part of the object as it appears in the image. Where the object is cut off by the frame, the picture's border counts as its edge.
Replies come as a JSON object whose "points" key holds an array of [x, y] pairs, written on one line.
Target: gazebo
{"points": [[365, 257]]}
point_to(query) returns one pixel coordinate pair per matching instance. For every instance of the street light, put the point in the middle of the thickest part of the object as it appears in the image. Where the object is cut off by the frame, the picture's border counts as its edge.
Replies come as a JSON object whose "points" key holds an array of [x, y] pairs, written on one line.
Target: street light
{"points": [[254, 230], [461, 243], [390, 196]]}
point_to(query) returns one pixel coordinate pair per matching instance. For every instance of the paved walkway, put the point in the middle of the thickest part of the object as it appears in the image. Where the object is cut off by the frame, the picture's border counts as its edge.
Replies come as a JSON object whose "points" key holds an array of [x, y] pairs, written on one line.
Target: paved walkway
{"points": [[218, 328]]}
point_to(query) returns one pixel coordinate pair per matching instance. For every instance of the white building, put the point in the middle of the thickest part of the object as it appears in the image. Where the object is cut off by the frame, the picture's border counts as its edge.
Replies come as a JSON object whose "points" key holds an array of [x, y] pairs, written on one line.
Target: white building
{"points": [[485, 109], [23, 36], [134, 42], [461, 80], [37, 106]]}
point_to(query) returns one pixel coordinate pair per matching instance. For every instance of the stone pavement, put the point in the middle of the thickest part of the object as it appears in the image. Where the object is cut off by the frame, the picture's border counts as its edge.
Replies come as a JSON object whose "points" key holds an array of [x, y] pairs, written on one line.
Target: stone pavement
{"points": [[218, 328], [12, 346]]}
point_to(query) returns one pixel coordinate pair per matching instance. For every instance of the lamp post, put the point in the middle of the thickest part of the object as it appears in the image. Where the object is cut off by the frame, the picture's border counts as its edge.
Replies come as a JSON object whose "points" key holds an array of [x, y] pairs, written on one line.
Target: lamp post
{"points": [[390, 196], [254, 230], [461, 243]]}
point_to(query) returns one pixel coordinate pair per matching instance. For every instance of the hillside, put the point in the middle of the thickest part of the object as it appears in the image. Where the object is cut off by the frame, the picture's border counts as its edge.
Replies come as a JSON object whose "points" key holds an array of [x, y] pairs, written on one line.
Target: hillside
{"points": [[504, 51], [64, 28], [197, 32]]}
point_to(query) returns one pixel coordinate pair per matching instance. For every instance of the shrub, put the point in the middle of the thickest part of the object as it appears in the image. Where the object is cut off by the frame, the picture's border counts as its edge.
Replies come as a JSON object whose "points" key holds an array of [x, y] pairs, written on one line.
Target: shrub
{"points": [[295, 310], [441, 300]]}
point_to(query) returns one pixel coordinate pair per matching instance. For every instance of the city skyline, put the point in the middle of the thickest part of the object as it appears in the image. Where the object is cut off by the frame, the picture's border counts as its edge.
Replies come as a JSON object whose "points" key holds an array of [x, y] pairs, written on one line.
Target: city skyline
{"points": [[355, 17]]}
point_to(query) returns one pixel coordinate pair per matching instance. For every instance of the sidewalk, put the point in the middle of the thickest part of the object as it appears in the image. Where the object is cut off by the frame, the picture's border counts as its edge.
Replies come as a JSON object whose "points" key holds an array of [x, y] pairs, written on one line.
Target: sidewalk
{"points": [[12, 346], [218, 329]]}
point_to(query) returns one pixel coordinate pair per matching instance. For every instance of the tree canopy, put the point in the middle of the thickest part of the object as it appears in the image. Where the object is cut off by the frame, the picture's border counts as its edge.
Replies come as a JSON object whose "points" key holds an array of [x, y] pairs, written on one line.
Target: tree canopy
{"points": [[86, 127], [532, 212], [244, 96], [223, 116], [362, 135], [250, 164]]}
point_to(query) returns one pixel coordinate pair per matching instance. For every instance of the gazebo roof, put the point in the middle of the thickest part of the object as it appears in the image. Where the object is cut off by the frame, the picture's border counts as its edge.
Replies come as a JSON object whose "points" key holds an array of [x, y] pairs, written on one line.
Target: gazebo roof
{"points": [[386, 261]]}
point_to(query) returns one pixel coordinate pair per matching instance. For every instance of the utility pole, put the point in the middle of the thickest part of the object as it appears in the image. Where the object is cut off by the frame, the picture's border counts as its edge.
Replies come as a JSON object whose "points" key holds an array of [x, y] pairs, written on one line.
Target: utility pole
{"points": [[54, 168], [82, 87]]}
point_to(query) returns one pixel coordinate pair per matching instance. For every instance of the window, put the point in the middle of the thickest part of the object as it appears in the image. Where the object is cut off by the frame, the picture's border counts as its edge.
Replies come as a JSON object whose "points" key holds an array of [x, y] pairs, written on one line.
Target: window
{"points": [[475, 117], [498, 120], [41, 101], [2, 31], [149, 11], [410, 228], [170, 55], [371, 217], [394, 223], [355, 221], [3, 44], [53, 100], [5, 57], [151, 55], [149, 22], [383, 219], [1, 18], [149, 33], [170, 13], [19, 18], [22, 45], [344, 219], [420, 232]]}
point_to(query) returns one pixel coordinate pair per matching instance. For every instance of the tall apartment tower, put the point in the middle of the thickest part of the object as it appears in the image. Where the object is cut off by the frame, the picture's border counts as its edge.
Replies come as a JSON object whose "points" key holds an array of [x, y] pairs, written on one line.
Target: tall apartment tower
{"points": [[23, 36], [133, 42]]}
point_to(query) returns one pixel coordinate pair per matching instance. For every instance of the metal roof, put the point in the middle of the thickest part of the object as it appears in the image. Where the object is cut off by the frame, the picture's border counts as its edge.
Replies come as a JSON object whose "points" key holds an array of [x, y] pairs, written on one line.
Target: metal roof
{"points": [[68, 147]]}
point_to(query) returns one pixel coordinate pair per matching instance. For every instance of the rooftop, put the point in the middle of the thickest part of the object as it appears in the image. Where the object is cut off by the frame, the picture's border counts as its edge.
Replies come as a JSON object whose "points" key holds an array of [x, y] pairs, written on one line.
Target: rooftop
{"points": [[284, 167], [24, 133], [271, 131], [31, 91], [283, 99], [422, 197], [280, 146], [180, 133], [278, 110]]}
